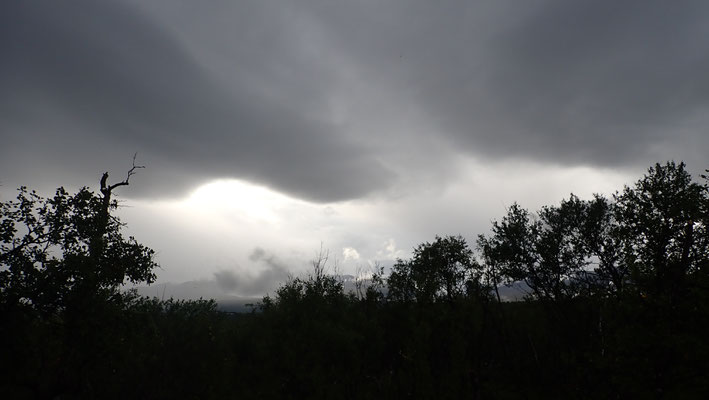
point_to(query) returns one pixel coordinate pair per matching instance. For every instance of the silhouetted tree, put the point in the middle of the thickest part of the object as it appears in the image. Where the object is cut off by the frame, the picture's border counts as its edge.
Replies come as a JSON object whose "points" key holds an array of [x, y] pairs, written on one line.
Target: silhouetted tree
{"points": [[509, 253], [63, 260], [67, 250], [318, 288], [663, 223], [603, 238], [442, 270], [551, 251]]}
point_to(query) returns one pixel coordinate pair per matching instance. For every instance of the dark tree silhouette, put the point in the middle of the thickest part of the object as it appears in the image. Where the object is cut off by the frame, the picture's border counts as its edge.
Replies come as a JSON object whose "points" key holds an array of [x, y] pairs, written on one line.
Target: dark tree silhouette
{"points": [[67, 250], [442, 270], [663, 223], [603, 238]]}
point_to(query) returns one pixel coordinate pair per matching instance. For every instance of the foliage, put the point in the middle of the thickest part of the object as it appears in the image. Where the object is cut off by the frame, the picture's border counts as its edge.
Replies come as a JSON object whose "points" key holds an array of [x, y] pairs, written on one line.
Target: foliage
{"points": [[603, 237], [663, 219], [317, 289], [62, 251], [548, 253], [651, 236], [442, 270]]}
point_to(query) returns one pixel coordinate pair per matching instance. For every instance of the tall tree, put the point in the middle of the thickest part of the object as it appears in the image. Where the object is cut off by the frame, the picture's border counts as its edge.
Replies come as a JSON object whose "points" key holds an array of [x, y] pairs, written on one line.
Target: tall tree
{"points": [[604, 242], [508, 249], [663, 221], [67, 250], [546, 251], [442, 270]]}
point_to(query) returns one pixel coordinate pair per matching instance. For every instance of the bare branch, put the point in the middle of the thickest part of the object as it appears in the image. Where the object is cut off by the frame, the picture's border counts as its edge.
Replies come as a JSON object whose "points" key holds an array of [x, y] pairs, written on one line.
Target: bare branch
{"points": [[107, 190], [320, 262], [131, 172]]}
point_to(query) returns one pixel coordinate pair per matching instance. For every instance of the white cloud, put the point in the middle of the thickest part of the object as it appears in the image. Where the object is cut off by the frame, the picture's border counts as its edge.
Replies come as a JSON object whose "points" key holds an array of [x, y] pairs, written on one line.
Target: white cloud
{"points": [[349, 253], [389, 252]]}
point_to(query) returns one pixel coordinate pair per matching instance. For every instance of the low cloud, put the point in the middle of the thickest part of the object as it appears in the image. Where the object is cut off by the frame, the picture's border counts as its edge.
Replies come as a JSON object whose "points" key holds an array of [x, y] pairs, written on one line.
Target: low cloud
{"points": [[253, 283], [350, 253], [227, 280]]}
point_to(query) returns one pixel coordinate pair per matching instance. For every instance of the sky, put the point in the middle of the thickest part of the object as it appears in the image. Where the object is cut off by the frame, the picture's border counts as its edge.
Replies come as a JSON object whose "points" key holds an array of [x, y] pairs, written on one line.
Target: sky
{"points": [[270, 129]]}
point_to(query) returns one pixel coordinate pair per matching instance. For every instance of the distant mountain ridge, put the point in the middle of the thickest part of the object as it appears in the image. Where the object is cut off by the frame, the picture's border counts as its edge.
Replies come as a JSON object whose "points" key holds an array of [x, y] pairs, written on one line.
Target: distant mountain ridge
{"points": [[231, 302]]}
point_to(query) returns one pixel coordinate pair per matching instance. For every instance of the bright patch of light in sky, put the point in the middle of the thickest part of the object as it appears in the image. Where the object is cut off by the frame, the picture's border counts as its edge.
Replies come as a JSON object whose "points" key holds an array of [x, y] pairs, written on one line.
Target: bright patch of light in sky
{"points": [[253, 202]]}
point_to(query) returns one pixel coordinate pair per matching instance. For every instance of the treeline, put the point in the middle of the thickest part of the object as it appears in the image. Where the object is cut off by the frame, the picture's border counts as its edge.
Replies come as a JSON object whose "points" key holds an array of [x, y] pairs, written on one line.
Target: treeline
{"points": [[617, 308]]}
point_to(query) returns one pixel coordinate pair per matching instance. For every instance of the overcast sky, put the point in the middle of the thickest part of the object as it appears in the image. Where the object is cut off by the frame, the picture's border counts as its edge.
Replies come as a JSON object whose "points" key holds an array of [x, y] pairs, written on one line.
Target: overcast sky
{"points": [[268, 128]]}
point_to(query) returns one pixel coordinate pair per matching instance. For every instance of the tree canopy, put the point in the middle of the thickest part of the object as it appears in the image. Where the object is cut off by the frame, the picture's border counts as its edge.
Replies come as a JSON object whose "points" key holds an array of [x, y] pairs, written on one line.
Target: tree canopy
{"points": [[66, 250], [442, 270], [650, 237]]}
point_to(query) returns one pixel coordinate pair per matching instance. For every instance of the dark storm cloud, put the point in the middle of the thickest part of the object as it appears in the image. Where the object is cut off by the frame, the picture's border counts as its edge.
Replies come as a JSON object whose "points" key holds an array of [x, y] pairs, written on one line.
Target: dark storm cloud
{"points": [[87, 83], [326, 99], [598, 82], [571, 82]]}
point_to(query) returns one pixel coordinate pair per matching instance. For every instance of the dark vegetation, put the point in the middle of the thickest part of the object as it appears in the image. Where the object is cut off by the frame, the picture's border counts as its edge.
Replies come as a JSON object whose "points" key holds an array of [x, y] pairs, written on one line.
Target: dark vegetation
{"points": [[618, 308]]}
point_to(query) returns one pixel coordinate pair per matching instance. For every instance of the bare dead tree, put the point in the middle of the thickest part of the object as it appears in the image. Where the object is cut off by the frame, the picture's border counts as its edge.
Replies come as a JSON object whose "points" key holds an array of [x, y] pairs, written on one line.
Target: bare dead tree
{"points": [[319, 263], [359, 282], [107, 190]]}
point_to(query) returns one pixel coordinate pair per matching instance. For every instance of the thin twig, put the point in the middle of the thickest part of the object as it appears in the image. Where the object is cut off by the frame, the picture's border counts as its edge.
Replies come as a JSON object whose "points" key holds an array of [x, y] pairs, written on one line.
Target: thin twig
{"points": [[131, 172]]}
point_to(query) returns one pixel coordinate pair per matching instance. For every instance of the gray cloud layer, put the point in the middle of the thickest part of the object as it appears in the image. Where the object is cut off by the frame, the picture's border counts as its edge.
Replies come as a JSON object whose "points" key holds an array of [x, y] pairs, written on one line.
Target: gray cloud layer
{"points": [[88, 81], [337, 100]]}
